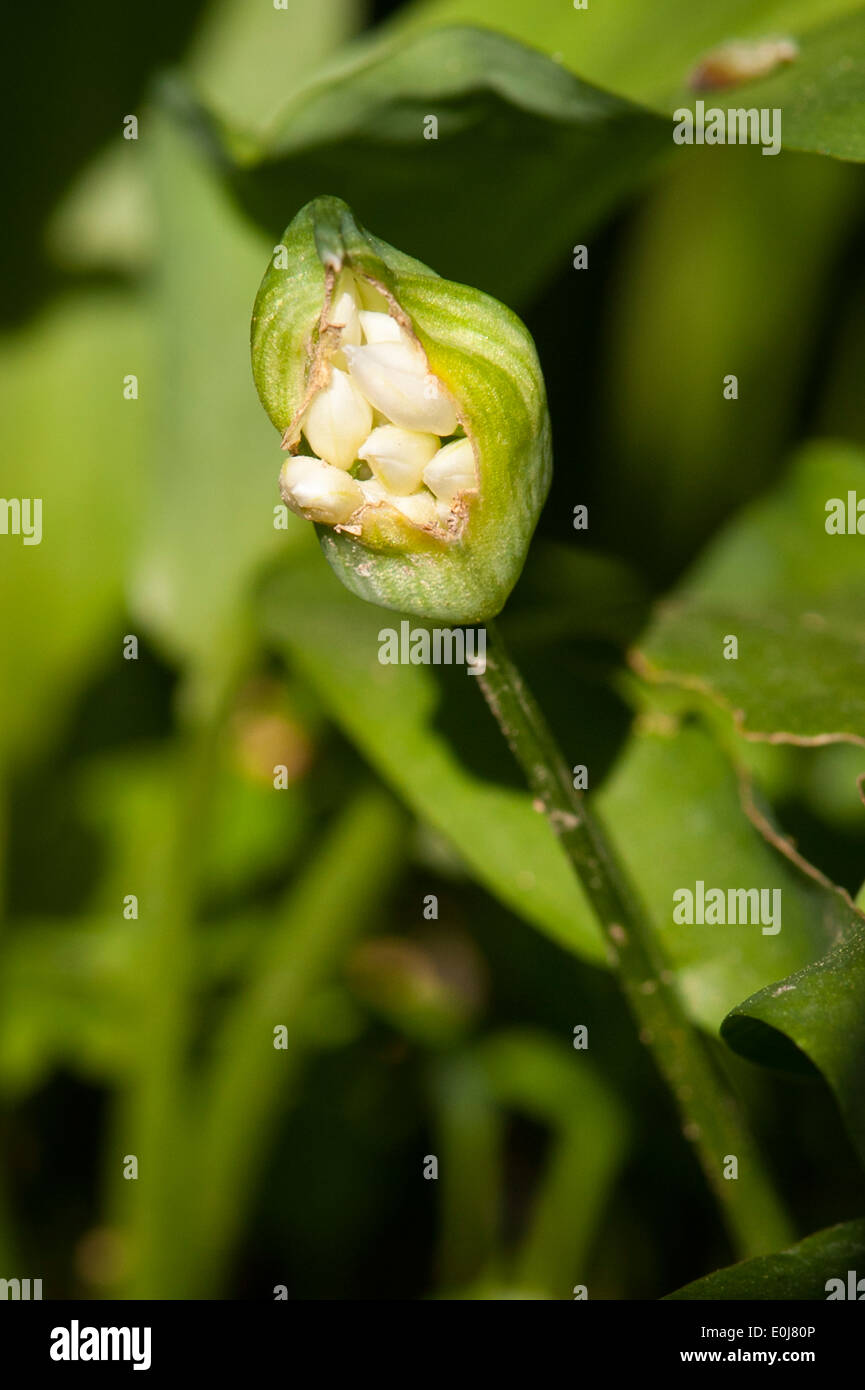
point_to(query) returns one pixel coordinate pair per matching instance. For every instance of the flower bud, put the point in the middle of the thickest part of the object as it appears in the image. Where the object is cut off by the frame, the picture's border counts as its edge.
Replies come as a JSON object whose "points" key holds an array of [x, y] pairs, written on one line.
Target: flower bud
{"points": [[395, 378], [347, 317], [450, 471], [420, 508], [378, 363], [398, 457], [317, 491], [338, 420], [380, 328]]}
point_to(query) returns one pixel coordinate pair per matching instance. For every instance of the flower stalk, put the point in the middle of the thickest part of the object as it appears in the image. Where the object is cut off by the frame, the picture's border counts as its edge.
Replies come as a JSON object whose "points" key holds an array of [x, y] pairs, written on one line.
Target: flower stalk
{"points": [[711, 1119]]}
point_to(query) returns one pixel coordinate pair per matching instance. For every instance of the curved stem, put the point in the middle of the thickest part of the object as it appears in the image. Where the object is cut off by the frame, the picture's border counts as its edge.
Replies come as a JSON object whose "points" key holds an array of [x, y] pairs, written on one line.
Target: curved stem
{"points": [[711, 1120]]}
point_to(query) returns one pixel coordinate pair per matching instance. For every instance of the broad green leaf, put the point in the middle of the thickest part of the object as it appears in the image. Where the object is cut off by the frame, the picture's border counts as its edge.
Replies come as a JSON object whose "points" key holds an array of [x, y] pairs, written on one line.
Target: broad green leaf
{"points": [[213, 460], [73, 445], [814, 1017], [391, 712], [672, 802], [688, 311], [824, 779], [245, 57], [821, 95], [793, 596], [515, 132], [675, 807], [646, 53], [802, 1272]]}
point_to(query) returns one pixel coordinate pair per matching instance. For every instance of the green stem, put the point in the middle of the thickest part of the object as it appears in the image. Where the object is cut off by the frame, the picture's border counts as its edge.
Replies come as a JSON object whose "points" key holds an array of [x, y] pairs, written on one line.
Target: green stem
{"points": [[711, 1120], [248, 1079], [155, 1111]]}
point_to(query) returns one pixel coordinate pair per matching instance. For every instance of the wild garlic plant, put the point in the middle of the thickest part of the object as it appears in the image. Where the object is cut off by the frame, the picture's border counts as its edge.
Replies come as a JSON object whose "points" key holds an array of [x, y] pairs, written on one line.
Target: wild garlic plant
{"points": [[415, 416]]}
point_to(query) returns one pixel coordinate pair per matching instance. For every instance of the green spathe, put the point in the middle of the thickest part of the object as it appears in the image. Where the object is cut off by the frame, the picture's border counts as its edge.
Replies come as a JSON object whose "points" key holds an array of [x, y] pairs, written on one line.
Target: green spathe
{"points": [[486, 361]]}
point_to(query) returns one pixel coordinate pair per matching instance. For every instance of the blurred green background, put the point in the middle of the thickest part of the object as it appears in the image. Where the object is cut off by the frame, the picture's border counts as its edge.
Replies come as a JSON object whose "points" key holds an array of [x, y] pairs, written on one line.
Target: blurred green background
{"points": [[149, 1031]]}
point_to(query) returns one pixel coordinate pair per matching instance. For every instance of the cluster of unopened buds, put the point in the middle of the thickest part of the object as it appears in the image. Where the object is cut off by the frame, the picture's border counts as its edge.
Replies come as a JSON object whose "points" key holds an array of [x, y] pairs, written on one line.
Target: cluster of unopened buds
{"points": [[413, 412], [382, 430]]}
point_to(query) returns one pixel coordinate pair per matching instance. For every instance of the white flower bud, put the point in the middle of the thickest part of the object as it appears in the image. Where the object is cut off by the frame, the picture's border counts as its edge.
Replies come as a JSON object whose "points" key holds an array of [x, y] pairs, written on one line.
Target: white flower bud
{"points": [[344, 313], [398, 457], [380, 328], [452, 471], [373, 491], [420, 508], [394, 377], [338, 420], [319, 492]]}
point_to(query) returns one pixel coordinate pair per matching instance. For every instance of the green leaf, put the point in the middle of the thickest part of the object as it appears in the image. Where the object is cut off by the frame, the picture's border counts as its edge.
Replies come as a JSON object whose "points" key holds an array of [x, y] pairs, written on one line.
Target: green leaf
{"points": [[647, 53], [820, 95], [391, 712], [682, 455], [73, 444], [676, 807], [213, 460], [802, 1272], [793, 596], [814, 1018], [672, 801], [515, 131], [243, 56]]}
